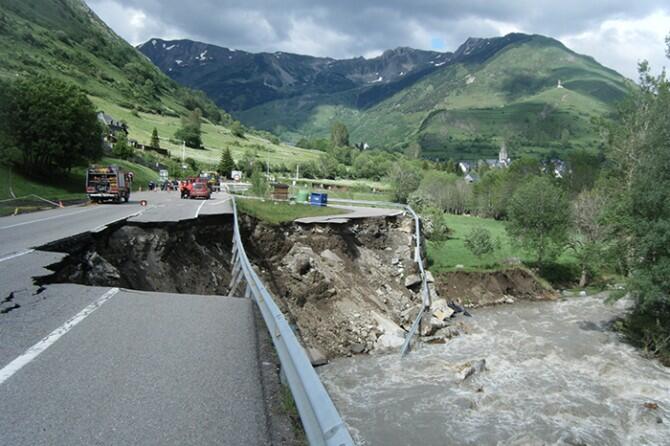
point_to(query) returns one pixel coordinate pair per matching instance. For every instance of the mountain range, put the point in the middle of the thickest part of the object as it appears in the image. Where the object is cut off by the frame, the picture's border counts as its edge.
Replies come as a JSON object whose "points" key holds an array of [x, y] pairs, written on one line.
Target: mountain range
{"points": [[527, 91]]}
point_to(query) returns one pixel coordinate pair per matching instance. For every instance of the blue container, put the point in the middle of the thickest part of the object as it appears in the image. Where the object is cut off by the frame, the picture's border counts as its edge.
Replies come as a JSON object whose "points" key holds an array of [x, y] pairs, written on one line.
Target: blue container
{"points": [[318, 199]]}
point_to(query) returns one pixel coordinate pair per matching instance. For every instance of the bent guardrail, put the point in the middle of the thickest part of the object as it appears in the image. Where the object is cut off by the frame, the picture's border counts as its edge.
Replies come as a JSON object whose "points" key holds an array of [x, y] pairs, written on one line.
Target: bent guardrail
{"points": [[321, 421], [425, 292]]}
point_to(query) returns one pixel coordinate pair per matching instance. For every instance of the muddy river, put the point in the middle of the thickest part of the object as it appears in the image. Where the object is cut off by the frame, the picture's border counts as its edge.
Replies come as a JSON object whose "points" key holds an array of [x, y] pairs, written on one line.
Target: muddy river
{"points": [[555, 374]]}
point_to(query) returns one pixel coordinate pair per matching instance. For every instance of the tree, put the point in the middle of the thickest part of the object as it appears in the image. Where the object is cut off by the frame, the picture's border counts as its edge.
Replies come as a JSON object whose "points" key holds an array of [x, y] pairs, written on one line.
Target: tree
{"points": [[193, 165], [190, 129], [328, 166], [227, 164], [339, 135], [259, 184], [582, 170], [479, 242], [445, 191], [538, 218], [236, 129], [371, 164], [588, 235], [639, 216], [48, 126], [121, 148], [492, 192], [155, 141], [451, 167], [405, 179], [248, 162]]}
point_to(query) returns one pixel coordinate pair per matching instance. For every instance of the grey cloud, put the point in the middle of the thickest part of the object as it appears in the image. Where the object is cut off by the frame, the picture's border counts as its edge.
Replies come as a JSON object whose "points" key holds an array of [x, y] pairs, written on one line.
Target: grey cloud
{"points": [[374, 25]]}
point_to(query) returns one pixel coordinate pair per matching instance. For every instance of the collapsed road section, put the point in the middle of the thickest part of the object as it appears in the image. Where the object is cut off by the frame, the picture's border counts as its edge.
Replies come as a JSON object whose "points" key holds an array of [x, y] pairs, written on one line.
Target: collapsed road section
{"points": [[189, 256], [347, 288]]}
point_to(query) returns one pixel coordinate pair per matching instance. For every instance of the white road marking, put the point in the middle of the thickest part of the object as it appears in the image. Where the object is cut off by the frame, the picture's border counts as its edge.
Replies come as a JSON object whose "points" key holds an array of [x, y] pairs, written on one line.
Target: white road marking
{"points": [[45, 219], [216, 203], [34, 351], [16, 254], [200, 207]]}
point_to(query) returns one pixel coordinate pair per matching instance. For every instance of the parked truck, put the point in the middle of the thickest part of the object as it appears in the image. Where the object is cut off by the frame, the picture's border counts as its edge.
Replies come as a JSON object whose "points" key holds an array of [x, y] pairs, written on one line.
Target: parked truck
{"points": [[108, 183]]}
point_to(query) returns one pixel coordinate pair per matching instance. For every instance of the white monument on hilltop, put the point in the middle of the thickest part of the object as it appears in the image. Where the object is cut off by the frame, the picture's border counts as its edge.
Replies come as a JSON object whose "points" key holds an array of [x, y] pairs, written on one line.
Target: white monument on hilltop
{"points": [[559, 85]]}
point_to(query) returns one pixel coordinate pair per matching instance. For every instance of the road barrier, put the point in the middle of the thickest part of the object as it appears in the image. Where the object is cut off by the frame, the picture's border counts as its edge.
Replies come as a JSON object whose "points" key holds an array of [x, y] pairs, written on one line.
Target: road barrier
{"points": [[425, 292], [320, 419]]}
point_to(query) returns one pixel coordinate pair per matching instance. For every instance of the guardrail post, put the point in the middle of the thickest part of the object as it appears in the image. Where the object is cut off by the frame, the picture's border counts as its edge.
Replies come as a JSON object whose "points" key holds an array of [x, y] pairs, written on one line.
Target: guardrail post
{"points": [[233, 259], [235, 282]]}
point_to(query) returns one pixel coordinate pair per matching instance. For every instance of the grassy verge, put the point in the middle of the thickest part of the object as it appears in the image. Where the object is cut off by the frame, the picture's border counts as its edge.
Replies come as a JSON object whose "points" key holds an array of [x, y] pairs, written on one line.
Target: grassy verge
{"points": [[274, 212], [290, 409], [65, 188]]}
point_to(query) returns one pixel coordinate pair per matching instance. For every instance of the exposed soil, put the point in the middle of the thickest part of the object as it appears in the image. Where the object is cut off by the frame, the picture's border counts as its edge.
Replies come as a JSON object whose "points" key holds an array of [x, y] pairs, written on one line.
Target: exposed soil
{"points": [[184, 257], [342, 285], [475, 289]]}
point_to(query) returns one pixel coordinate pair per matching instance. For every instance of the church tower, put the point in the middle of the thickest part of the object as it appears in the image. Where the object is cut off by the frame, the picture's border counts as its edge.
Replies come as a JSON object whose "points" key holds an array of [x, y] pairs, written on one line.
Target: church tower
{"points": [[503, 156]]}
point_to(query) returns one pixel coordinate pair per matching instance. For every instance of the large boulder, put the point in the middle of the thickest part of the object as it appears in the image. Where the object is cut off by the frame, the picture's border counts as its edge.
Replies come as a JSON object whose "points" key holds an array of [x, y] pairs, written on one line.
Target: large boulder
{"points": [[412, 281], [316, 357], [100, 271], [389, 341], [472, 368], [392, 336], [441, 310]]}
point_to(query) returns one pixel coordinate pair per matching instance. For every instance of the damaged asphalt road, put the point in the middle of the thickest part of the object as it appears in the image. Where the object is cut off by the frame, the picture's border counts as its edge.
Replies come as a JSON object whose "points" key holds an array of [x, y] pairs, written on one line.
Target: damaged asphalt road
{"points": [[133, 368]]}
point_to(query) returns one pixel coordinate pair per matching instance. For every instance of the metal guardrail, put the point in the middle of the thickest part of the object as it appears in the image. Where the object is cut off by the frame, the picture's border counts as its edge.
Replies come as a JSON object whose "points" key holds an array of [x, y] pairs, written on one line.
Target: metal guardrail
{"points": [[425, 292], [320, 419]]}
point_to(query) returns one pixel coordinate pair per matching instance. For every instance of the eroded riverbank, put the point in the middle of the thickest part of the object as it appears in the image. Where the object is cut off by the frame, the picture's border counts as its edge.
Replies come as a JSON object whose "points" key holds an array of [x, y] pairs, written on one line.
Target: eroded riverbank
{"points": [[555, 374]]}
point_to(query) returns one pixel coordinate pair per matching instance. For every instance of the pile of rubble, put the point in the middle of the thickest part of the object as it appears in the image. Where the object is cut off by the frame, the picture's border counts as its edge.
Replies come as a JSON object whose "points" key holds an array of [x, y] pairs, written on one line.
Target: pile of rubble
{"points": [[349, 288]]}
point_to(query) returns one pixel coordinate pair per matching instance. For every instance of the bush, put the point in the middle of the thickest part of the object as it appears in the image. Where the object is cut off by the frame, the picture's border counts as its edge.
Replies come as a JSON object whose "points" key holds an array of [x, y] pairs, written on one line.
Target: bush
{"points": [[479, 242], [434, 225], [121, 148], [236, 129]]}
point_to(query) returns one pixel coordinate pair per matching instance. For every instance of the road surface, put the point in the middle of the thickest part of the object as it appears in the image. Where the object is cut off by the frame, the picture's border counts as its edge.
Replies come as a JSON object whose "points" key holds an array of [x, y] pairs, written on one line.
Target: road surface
{"points": [[86, 365], [353, 212]]}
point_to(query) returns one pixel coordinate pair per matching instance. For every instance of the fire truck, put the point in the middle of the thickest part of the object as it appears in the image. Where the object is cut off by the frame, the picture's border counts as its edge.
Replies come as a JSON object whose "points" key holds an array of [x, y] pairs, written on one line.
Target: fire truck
{"points": [[108, 183]]}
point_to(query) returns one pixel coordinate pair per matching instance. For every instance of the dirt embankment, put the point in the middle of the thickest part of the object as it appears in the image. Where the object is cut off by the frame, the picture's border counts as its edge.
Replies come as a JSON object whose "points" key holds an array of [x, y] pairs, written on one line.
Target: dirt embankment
{"points": [[342, 285], [476, 289]]}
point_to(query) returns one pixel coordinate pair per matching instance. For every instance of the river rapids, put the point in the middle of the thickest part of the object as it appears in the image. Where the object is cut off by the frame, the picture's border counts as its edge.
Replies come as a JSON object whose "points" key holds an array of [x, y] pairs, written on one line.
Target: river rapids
{"points": [[556, 374]]}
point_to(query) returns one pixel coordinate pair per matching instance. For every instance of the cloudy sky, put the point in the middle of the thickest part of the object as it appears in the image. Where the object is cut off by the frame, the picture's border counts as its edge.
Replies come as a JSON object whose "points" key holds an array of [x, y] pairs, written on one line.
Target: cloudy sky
{"points": [[618, 33]]}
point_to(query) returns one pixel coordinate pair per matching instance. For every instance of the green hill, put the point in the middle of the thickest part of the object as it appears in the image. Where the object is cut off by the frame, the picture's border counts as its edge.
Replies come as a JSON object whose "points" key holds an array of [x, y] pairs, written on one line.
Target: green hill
{"points": [[65, 39], [469, 107]]}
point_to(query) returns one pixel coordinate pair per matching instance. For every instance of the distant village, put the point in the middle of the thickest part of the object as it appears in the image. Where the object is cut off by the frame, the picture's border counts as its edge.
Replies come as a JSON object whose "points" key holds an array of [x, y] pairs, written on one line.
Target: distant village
{"points": [[469, 168]]}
